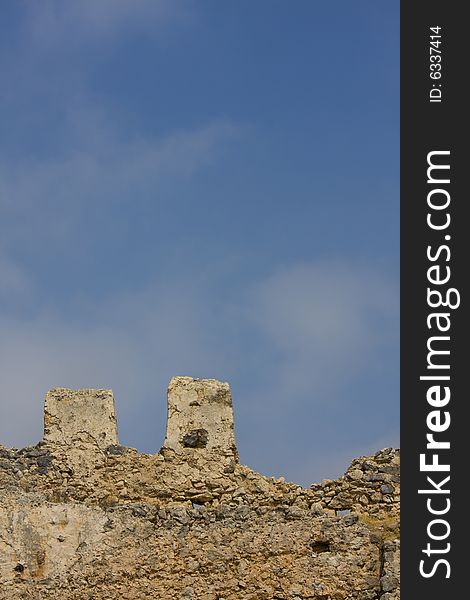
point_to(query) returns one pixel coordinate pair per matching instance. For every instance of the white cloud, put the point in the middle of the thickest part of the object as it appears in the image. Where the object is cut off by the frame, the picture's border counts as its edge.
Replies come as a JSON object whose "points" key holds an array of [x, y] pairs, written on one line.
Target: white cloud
{"points": [[326, 320], [13, 280], [53, 21], [57, 45], [100, 169]]}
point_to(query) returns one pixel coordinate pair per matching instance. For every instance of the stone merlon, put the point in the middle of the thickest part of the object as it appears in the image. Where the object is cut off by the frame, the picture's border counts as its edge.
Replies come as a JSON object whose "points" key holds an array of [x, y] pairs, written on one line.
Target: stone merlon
{"points": [[200, 416], [86, 414]]}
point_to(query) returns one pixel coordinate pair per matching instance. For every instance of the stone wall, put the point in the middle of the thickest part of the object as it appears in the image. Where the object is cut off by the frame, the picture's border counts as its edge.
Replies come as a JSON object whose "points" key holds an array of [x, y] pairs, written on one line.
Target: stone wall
{"points": [[82, 517]]}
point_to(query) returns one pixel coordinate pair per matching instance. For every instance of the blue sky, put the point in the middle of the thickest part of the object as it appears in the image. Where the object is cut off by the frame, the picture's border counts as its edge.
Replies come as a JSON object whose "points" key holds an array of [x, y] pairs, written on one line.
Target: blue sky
{"points": [[208, 189]]}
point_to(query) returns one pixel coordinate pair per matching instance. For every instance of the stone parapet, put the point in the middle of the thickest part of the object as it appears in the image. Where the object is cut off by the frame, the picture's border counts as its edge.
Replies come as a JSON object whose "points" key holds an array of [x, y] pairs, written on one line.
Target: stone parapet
{"points": [[88, 415], [200, 416]]}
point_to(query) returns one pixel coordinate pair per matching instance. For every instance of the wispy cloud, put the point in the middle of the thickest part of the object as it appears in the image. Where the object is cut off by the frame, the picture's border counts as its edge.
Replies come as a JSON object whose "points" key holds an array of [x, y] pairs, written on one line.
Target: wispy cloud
{"points": [[324, 318], [53, 20], [13, 280], [56, 47], [101, 170]]}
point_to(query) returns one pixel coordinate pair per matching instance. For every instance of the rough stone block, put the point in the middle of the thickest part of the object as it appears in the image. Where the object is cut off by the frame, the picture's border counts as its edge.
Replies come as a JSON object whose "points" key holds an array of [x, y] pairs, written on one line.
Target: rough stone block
{"points": [[85, 414], [200, 416]]}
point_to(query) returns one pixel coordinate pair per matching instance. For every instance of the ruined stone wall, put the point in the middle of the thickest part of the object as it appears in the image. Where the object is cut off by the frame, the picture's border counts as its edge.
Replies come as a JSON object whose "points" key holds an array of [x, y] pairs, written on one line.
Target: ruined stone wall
{"points": [[82, 517]]}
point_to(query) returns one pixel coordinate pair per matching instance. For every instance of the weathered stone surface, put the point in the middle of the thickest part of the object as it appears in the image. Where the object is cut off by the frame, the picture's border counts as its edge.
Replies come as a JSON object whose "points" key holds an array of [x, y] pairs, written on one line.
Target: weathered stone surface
{"points": [[88, 415], [390, 579], [200, 416], [114, 524]]}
